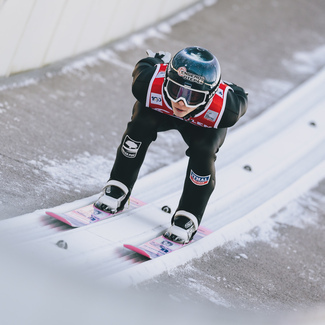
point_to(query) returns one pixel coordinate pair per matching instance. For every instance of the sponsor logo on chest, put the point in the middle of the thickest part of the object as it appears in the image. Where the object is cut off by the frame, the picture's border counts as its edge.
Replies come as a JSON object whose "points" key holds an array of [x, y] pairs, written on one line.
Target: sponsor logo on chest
{"points": [[211, 115], [220, 93], [156, 99]]}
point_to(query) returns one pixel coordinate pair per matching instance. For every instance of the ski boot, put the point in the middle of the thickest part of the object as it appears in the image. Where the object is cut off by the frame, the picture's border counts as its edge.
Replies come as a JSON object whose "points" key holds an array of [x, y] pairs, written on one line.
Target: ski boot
{"points": [[183, 228], [113, 197]]}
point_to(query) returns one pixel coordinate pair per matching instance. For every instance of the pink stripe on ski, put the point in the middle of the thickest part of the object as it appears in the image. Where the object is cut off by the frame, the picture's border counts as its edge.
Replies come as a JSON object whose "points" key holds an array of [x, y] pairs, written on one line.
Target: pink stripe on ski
{"points": [[137, 250], [58, 217]]}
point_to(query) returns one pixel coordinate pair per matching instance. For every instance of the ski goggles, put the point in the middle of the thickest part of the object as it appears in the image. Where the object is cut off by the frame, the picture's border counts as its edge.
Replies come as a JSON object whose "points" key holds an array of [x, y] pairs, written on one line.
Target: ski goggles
{"points": [[192, 98]]}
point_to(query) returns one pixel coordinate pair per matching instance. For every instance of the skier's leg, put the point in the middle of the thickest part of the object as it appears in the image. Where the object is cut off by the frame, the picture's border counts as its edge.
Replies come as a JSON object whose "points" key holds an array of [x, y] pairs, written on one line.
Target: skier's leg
{"points": [[140, 132], [199, 183], [200, 176]]}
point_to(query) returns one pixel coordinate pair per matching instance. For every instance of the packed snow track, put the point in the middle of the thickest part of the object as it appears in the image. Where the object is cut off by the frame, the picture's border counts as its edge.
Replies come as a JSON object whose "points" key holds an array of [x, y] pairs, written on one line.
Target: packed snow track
{"points": [[261, 167]]}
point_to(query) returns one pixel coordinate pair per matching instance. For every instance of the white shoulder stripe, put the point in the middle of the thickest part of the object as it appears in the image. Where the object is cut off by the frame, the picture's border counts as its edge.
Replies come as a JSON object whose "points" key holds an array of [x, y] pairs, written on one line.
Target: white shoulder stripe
{"points": [[150, 85]]}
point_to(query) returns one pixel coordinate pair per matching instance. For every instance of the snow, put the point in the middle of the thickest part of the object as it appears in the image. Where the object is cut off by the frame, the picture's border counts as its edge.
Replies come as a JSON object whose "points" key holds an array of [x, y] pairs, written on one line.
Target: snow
{"points": [[98, 249], [92, 170], [294, 205], [306, 62], [264, 220], [240, 206]]}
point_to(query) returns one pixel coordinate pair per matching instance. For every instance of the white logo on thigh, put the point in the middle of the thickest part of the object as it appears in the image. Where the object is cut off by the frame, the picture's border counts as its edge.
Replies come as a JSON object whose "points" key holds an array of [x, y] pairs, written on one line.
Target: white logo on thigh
{"points": [[130, 147]]}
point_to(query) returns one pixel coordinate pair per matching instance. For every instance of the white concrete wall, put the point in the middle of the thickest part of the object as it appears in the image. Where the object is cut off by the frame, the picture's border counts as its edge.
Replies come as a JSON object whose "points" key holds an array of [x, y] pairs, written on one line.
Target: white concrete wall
{"points": [[34, 33]]}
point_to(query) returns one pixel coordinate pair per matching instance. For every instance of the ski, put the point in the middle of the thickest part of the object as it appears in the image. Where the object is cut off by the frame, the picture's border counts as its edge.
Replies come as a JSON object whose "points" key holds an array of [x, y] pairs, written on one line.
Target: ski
{"points": [[89, 214], [161, 246]]}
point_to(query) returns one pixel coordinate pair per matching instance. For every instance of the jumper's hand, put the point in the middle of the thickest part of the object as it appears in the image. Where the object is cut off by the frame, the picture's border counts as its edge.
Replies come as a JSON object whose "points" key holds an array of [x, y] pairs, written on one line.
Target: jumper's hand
{"points": [[164, 56]]}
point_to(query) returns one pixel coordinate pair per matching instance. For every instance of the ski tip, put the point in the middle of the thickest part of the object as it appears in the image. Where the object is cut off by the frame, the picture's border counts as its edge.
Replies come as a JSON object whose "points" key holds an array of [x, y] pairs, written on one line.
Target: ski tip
{"points": [[58, 217], [137, 250]]}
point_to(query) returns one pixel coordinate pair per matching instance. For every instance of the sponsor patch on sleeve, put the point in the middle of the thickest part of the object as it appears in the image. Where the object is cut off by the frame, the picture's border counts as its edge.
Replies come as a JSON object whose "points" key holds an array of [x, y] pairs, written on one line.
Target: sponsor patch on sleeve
{"points": [[199, 180]]}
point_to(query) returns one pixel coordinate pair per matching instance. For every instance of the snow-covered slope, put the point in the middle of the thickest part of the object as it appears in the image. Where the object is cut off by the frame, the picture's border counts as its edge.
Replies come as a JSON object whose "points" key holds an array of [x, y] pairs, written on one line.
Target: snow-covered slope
{"points": [[261, 167]]}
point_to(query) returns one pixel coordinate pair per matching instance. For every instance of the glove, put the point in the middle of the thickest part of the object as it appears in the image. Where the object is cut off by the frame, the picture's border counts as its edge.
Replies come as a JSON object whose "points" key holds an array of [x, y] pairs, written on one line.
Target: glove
{"points": [[164, 56]]}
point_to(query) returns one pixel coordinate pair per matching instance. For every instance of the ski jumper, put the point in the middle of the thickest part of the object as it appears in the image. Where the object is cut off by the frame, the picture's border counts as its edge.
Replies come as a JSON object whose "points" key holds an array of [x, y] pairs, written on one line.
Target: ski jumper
{"points": [[204, 133]]}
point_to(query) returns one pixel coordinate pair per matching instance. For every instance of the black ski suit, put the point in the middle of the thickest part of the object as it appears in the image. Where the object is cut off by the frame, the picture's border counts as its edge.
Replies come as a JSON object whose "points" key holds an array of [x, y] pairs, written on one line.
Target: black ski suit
{"points": [[203, 143]]}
